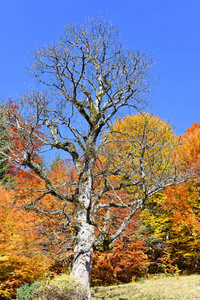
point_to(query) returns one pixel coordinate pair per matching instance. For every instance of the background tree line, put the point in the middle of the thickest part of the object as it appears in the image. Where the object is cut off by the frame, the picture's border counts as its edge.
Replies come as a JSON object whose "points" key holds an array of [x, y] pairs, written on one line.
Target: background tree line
{"points": [[162, 237]]}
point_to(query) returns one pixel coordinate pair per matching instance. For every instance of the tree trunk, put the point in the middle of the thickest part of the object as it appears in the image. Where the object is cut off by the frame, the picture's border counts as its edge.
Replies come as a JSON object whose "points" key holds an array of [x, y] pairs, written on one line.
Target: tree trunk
{"points": [[83, 257], [83, 251]]}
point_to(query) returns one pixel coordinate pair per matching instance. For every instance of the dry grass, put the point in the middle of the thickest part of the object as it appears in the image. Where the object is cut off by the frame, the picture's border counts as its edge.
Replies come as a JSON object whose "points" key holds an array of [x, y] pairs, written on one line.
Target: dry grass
{"points": [[183, 287]]}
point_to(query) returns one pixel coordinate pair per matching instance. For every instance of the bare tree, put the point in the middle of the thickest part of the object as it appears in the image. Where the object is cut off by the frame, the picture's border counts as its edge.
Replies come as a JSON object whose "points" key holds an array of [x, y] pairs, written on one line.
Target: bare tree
{"points": [[90, 77]]}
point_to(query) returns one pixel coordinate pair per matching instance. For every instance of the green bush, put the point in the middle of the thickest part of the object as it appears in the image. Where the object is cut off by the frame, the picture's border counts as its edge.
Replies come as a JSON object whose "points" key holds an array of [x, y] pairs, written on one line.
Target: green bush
{"points": [[62, 287], [26, 291]]}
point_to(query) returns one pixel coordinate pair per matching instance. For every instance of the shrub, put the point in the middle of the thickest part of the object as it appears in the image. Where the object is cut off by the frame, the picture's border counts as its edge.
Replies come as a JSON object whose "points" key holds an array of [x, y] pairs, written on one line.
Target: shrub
{"points": [[64, 287], [26, 291]]}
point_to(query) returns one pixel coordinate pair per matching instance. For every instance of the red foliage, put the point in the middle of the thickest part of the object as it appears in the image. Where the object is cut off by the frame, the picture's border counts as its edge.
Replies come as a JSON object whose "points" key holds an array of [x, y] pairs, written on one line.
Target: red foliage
{"points": [[124, 260]]}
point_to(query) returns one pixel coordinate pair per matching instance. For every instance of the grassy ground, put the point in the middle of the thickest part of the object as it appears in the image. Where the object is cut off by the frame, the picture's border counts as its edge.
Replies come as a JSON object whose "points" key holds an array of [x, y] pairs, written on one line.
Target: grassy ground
{"points": [[183, 287]]}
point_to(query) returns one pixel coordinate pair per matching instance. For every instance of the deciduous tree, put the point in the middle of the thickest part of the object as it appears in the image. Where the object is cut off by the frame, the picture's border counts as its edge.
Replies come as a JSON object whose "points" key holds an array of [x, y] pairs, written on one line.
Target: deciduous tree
{"points": [[172, 217], [19, 261], [90, 77]]}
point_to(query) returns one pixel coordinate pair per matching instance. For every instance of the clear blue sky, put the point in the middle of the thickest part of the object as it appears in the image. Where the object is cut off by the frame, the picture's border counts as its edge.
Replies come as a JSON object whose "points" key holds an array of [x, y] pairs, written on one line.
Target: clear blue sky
{"points": [[168, 29]]}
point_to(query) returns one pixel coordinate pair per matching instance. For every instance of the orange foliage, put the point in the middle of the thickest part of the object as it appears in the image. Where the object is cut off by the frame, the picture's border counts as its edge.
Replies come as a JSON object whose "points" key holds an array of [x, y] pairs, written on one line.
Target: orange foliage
{"points": [[189, 150], [173, 218], [184, 234], [123, 149], [192, 143], [123, 261], [19, 262]]}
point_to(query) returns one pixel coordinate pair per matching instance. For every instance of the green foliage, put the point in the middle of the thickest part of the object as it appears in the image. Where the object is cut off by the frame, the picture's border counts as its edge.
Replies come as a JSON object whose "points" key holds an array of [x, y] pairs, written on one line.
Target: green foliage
{"points": [[5, 178], [64, 287], [26, 291]]}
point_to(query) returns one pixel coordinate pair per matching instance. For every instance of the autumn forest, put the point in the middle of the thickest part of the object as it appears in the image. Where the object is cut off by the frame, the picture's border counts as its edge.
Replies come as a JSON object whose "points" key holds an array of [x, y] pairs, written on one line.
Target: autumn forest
{"points": [[163, 237]]}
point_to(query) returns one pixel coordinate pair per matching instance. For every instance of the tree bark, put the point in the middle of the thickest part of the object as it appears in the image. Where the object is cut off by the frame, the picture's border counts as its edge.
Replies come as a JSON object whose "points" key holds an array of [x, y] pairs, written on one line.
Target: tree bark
{"points": [[83, 251], [83, 257]]}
